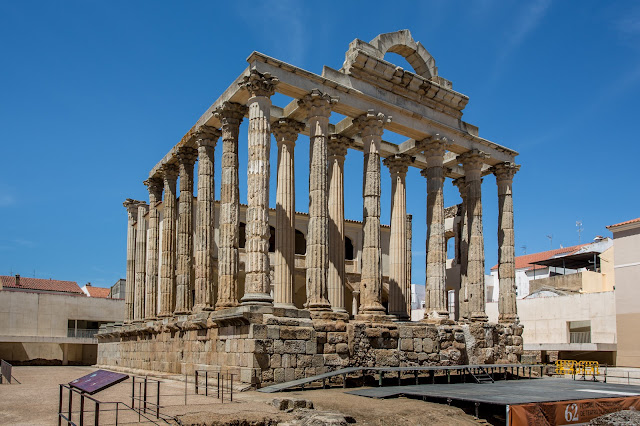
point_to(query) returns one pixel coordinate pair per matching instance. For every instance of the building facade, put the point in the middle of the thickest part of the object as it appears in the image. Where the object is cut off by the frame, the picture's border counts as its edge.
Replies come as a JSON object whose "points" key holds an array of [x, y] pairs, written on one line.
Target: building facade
{"points": [[184, 277]]}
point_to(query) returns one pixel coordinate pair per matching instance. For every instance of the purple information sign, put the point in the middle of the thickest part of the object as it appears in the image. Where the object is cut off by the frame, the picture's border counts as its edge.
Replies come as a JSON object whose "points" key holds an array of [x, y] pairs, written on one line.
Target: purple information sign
{"points": [[98, 381]]}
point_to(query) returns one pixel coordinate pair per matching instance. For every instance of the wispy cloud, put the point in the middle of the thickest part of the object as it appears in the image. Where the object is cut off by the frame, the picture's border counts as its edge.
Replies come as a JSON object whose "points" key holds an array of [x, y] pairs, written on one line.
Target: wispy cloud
{"points": [[629, 24], [523, 25]]}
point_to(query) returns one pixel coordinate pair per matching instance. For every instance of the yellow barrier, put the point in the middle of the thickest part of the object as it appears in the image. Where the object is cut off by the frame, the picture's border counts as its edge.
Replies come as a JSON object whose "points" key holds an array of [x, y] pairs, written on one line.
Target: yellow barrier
{"points": [[588, 367], [566, 366]]}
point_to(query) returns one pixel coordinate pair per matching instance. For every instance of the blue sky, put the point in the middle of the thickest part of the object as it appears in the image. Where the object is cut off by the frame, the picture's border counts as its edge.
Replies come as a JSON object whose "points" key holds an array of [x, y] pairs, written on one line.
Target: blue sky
{"points": [[94, 93]]}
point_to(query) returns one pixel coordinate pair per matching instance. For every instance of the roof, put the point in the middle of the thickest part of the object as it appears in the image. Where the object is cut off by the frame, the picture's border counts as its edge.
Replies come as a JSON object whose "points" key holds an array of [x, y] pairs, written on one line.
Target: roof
{"points": [[27, 283], [527, 260], [98, 291], [628, 222]]}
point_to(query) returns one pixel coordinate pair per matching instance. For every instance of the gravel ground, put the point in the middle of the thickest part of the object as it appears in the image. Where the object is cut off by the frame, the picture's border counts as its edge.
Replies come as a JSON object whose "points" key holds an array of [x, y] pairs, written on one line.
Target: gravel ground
{"points": [[35, 402], [619, 418]]}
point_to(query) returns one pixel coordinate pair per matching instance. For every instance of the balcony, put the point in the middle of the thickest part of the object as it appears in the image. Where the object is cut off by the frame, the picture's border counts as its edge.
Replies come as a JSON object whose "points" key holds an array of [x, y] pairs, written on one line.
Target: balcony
{"points": [[82, 333]]}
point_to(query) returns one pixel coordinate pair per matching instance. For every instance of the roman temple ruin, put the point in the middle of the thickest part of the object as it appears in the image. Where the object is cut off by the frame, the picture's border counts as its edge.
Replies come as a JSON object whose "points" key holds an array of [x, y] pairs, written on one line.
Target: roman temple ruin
{"points": [[277, 295]]}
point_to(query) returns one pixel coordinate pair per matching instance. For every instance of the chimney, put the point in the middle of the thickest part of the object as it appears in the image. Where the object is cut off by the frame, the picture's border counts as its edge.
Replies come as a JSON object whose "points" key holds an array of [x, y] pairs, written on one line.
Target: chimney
{"points": [[17, 280], [88, 284]]}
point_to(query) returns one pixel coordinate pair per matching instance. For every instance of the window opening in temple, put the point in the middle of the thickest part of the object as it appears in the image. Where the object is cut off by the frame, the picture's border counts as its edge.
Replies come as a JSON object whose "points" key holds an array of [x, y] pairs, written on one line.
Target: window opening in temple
{"points": [[301, 243], [348, 249]]}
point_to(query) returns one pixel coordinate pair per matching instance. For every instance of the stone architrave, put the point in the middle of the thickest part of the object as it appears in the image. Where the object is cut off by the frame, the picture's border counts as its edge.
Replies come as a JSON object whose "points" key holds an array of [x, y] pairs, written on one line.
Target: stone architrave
{"points": [[285, 131], [472, 162], [206, 138], [407, 291], [141, 262], [398, 166], [184, 251], [318, 108], [463, 294], [168, 249], [507, 308], [337, 151], [436, 291], [230, 116], [132, 216], [257, 284], [371, 126], [154, 186]]}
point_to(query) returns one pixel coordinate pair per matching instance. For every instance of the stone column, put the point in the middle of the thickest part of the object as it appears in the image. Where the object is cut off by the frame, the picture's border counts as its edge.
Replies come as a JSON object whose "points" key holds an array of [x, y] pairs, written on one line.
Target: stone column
{"points": [[286, 132], [472, 162], [230, 116], [436, 290], [507, 309], [154, 186], [398, 166], [257, 284], [141, 262], [205, 138], [184, 252], [168, 249], [407, 293], [132, 216], [463, 294], [318, 106], [337, 150], [371, 128]]}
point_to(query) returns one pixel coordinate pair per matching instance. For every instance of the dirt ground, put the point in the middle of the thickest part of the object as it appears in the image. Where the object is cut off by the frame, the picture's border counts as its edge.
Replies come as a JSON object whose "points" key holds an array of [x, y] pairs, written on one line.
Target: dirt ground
{"points": [[35, 402]]}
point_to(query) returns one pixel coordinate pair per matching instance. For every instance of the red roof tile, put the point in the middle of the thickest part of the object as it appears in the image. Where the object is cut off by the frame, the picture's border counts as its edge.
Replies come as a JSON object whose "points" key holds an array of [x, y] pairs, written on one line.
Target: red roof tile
{"points": [[624, 223], [527, 260], [27, 283], [98, 291]]}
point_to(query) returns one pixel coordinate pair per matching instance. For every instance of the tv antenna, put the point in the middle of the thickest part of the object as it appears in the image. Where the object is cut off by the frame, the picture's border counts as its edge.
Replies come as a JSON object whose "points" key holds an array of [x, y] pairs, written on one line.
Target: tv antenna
{"points": [[524, 249], [550, 237], [580, 228]]}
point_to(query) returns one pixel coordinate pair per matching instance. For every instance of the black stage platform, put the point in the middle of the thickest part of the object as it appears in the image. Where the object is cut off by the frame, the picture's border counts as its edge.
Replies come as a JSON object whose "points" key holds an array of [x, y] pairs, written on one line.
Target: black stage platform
{"points": [[510, 392]]}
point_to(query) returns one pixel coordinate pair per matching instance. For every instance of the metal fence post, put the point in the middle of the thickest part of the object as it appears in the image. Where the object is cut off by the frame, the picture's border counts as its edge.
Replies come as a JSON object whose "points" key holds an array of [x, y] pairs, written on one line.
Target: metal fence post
{"points": [[81, 409], [196, 382], [145, 395], [70, 402], [231, 388], [206, 383], [158, 401], [133, 391], [97, 419]]}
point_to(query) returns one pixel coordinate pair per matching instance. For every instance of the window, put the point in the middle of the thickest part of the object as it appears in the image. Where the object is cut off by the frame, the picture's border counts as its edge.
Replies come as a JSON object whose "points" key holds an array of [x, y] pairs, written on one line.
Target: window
{"points": [[301, 243], [348, 248], [579, 331]]}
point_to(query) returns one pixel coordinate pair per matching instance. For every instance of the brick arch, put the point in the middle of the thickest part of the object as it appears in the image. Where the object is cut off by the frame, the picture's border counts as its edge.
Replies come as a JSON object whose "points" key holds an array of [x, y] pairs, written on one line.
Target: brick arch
{"points": [[402, 43]]}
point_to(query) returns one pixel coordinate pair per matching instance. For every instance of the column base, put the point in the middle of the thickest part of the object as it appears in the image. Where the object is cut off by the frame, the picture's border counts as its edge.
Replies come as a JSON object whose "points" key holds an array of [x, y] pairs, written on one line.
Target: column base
{"points": [[257, 299], [508, 319], [329, 315], [479, 317], [181, 312], [226, 305], [202, 308], [339, 310]]}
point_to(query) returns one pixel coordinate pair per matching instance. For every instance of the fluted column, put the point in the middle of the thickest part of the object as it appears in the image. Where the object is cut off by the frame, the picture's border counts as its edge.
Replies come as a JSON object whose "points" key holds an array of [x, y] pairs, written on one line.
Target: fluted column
{"points": [[463, 294], [184, 252], [154, 186], [371, 128], [205, 138], [230, 116], [286, 132], [141, 262], [472, 162], [318, 107], [132, 216], [507, 308], [436, 290], [168, 249], [398, 166], [337, 150], [407, 290], [257, 283]]}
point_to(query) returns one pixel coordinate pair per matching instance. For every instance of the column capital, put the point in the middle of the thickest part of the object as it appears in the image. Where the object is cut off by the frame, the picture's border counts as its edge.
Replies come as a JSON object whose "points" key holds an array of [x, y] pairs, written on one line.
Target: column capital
{"points": [[371, 123], [505, 171], [187, 156], [259, 84], [206, 136], [398, 164], [230, 113], [461, 184], [132, 207], [434, 149], [473, 160], [169, 171], [155, 187], [338, 145], [317, 104], [286, 130]]}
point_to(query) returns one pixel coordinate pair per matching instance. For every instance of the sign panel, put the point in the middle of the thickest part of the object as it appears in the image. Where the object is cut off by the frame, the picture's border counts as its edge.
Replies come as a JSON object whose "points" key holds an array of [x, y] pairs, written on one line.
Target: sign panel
{"points": [[578, 411], [98, 381], [5, 370]]}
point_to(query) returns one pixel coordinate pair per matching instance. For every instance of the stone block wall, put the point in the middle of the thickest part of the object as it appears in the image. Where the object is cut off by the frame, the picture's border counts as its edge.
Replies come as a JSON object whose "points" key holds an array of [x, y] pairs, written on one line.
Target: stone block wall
{"points": [[277, 346]]}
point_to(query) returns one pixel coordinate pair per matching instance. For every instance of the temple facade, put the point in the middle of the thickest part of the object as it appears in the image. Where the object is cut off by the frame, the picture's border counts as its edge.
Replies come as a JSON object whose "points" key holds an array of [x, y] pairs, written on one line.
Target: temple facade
{"points": [[279, 295]]}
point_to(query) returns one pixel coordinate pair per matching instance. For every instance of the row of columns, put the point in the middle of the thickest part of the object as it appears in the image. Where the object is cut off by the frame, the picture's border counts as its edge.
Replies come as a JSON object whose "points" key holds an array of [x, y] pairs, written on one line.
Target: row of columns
{"points": [[325, 272]]}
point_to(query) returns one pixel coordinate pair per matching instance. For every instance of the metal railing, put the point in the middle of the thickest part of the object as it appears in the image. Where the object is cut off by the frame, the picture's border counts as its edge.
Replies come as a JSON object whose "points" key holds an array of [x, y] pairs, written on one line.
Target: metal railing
{"points": [[82, 333], [580, 337]]}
